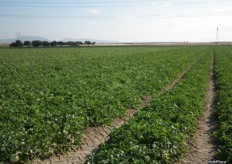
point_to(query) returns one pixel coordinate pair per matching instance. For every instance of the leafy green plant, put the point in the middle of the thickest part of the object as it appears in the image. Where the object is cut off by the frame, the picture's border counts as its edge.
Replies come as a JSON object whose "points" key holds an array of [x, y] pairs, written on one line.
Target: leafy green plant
{"points": [[156, 133], [223, 103], [49, 96]]}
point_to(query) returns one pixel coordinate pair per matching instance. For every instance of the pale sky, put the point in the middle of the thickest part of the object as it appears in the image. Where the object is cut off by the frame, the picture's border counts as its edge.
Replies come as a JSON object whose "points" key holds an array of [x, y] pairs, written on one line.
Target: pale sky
{"points": [[118, 20]]}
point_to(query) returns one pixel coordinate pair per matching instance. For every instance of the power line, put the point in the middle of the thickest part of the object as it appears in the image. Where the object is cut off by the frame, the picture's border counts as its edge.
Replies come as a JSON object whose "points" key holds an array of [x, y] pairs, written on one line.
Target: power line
{"points": [[117, 17], [188, 15], [100, 3], [198, 2], [108, 2], [72, 6], [73, 2]]}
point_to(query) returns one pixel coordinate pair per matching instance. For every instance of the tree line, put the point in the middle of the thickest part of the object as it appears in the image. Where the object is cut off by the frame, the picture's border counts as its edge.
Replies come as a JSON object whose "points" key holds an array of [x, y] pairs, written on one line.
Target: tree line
{"points": [[39, 43]]}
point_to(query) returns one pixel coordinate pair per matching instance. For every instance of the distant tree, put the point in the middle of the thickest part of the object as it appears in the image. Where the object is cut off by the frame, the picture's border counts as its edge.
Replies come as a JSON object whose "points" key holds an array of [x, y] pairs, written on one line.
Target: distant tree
{"points": [[27, 43], [71, 43], [46, 43], [53, 43], [79, 43], [87, 42], [18, 43], [13, 44], [93, 43], [61, 43], [36, 43]]}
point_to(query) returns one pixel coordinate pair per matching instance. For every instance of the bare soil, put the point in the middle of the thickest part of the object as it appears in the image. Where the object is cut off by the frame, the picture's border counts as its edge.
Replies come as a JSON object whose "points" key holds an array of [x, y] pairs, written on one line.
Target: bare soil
{"points": [[94, 136], [201, 146]]}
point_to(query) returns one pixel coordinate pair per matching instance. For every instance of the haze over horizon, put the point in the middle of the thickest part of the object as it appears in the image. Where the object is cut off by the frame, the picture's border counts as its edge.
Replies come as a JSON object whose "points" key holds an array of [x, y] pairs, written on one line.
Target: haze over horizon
{"points": [[123, 21]]}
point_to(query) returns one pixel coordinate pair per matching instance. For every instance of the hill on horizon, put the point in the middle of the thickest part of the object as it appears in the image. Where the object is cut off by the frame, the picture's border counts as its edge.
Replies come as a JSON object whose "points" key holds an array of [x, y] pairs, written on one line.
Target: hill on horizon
{"points": [[88, 39], [23, 38], [31, 38]]}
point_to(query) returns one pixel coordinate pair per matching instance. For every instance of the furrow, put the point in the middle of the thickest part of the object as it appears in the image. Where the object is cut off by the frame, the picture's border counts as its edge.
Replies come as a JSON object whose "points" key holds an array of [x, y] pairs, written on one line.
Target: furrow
{"points": [[94, 136], [201, 146]]}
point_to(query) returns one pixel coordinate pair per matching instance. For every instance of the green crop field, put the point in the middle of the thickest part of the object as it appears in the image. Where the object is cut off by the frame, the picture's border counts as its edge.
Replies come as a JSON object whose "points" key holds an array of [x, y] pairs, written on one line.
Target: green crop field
{"points": [[156, 134], [223, 102], [49, 96]]}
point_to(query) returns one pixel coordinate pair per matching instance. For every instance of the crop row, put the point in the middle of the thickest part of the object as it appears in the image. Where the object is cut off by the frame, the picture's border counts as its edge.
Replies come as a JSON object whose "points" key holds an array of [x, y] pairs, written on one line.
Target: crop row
{"points": [[223, 103], [49, 96], [156, 133]]}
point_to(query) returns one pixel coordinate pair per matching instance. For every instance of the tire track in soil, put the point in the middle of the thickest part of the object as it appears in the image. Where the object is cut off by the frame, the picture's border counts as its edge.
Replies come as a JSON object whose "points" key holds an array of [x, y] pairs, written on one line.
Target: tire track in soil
{"points": [[201, 147], [94, 136]]}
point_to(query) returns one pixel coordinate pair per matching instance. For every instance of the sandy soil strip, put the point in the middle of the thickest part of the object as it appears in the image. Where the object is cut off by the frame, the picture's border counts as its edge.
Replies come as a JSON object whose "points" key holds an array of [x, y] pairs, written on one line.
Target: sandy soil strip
{"points": [[202, 147], [94, 136]]}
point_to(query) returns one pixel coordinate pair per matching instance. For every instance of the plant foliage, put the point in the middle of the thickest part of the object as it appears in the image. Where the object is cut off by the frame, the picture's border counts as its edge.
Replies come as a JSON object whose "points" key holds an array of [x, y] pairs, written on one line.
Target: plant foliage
{"points": [[156, 133]]}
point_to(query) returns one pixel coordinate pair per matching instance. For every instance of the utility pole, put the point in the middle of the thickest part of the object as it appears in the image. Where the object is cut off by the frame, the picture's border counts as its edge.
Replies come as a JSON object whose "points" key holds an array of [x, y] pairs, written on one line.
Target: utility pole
{"points": [[217, 36], [18, 35]]}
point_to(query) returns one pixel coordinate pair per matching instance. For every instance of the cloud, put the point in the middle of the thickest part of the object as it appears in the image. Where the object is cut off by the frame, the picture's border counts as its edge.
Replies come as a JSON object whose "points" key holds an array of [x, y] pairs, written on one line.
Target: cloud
{"points": [[93, 11]]}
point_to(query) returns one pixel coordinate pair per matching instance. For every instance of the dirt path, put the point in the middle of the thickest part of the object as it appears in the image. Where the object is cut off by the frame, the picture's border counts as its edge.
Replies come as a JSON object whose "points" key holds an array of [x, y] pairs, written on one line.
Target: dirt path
{"points": [[94, 136], [202, 148]]}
